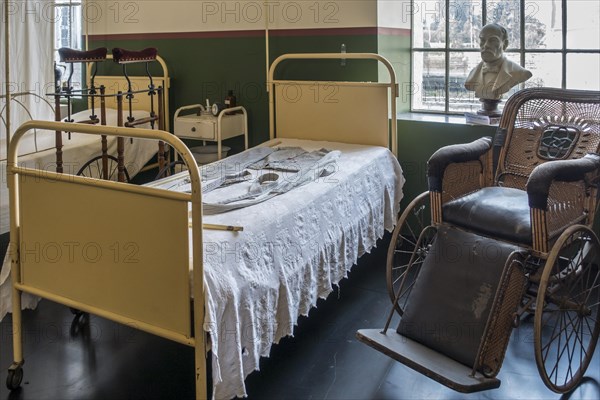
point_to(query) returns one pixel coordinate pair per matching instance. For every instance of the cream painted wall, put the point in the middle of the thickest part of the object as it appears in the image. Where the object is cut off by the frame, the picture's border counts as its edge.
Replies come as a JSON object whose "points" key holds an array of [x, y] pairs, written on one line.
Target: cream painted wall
{"points": [[394, 13], [142, 16]]}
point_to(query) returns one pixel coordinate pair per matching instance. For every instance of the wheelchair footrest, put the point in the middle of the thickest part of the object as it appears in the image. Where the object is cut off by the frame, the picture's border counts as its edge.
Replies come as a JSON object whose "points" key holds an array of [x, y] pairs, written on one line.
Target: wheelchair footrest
{"points": [[429, 362]]}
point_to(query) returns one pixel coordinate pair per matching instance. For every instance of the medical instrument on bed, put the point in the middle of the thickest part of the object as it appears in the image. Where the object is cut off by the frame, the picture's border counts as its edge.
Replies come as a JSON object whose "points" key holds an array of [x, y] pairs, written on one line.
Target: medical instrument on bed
{"points": [[270, 184], [217, 227]]}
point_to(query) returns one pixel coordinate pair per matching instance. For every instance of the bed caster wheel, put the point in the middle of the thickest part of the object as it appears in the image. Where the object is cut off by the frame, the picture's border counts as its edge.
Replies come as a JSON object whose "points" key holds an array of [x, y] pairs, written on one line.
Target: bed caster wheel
{"points": [[79, 325], [76, 312], [14, 377]]}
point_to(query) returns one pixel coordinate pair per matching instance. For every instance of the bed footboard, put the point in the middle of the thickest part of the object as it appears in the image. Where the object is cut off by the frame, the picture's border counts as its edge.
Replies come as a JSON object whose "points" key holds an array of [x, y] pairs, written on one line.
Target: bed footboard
{"points": [[89, 245], [112, 249]]}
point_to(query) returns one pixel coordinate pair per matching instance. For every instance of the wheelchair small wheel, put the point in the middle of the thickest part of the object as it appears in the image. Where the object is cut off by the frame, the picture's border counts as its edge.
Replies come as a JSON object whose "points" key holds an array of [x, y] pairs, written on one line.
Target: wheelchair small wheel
{"points": [[567, 316], [14, 377], [93, 169], [406, 253]]}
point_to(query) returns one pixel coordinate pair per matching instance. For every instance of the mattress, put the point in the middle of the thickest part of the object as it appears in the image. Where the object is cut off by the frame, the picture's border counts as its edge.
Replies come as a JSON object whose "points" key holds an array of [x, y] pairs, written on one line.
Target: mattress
{"points": [[294, 248]]}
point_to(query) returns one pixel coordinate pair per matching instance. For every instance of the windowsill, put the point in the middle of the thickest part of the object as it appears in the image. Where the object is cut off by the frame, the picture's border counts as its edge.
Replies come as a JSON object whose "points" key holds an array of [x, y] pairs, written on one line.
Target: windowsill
{"points": [[427, 117]]}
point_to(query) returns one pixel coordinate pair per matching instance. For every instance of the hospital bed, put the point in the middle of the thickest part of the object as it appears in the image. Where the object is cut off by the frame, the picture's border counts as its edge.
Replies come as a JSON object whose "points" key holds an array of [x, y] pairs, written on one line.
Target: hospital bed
{"points": [[38, 147], [232, 283]]}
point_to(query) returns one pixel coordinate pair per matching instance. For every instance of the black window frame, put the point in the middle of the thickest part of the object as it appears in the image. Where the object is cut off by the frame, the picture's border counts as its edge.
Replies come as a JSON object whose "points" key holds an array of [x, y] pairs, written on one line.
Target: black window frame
{"points": [[522, 51]]}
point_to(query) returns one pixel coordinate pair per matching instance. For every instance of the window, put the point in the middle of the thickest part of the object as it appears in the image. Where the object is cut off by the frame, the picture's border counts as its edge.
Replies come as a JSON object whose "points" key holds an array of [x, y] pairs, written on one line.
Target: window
{"points": [[68, 33], [557, 40]]}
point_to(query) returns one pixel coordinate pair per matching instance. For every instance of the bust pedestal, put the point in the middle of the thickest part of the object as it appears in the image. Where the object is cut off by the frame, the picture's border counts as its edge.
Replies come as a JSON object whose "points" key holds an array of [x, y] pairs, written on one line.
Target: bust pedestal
{"points": [[489, 108]]}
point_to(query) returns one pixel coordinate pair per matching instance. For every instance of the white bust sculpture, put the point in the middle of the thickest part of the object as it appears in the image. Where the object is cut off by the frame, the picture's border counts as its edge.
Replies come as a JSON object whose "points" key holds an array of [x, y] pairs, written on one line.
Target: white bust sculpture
{"points": [[495, 75]]}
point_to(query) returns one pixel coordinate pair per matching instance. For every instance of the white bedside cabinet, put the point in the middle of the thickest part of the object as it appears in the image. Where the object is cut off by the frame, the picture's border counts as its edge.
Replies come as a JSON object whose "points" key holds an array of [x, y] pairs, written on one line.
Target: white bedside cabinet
{"points": [[231, 122]]}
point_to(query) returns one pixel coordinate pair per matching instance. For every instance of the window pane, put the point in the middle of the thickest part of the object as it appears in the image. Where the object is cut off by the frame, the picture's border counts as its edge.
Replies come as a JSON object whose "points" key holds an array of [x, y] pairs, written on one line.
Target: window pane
{"points": [[61, 27], [507, 13], [583, 29], [516, 58], [582, 71], [543, 24], [465, 24], [543, 36], [546, 69], [429, 78], [461, 64], [68, 33], [76, 29], [429, 24]]}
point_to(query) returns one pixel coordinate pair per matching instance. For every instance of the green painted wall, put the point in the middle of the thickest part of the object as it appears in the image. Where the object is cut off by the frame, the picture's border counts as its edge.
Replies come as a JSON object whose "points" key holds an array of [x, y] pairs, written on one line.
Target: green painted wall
{"points": [[418, 140], [397, 50], [203, 68], [328, 69]]}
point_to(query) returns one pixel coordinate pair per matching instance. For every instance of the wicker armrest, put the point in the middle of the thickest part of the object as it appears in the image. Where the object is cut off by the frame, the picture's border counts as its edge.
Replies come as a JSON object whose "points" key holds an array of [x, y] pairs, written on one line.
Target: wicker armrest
{"points": [[68, 55], [122, 56], [538, 184], [456, 153]]}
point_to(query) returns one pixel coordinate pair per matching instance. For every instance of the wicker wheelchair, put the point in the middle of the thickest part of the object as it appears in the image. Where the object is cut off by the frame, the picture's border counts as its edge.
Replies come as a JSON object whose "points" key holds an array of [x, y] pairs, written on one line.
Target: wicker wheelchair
{"points": [[505, 231]]}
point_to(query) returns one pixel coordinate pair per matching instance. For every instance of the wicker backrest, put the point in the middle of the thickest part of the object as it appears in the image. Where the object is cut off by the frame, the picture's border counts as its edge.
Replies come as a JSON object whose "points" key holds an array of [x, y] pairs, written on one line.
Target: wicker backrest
{"points": [[545, 124]]}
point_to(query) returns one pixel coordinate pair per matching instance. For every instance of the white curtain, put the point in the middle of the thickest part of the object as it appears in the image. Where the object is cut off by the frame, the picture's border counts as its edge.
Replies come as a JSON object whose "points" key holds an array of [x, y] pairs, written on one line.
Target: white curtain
{"points": [[31, 35], [31, 49]]}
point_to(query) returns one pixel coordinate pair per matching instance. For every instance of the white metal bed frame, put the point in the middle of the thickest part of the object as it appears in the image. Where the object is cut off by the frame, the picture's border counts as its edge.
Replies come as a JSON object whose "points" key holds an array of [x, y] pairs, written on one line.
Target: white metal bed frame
{"points": [[140, 294], [302, 114], [114, 83], [6, 120]]}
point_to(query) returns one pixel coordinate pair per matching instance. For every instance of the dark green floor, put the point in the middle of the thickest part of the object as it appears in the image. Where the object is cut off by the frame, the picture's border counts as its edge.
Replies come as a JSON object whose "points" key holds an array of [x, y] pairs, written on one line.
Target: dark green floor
{"points": [[103, 360]]}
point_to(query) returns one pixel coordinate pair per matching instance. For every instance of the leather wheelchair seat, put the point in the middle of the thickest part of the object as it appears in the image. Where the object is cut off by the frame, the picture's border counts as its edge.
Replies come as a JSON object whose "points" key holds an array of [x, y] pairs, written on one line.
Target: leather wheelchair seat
{"points": [[493, 211]]}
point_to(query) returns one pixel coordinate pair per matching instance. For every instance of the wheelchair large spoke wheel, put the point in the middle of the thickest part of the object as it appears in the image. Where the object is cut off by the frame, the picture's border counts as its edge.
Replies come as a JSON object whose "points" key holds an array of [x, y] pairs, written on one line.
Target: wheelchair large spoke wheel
{"points": [[93, 169], [406, 253], [567, 318]]}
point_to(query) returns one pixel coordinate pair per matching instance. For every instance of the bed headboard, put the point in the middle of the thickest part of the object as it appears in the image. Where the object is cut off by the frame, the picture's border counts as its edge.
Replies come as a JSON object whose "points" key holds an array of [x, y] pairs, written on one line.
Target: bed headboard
{"points": [[141, 101], [347, 112], [28, 105]]}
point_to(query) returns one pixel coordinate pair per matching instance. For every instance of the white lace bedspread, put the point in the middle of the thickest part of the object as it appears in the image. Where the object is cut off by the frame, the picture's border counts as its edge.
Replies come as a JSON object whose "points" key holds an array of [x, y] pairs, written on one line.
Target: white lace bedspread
{"points": [[293, 249]]}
